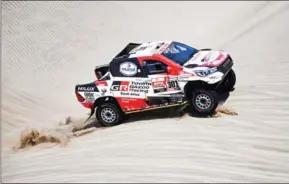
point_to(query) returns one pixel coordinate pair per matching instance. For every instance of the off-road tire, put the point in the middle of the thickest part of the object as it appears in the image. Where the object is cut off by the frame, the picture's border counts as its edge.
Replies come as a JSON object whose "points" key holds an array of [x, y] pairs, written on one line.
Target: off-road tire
{"points": [[109, 114], [204, 102], [228, 83]]}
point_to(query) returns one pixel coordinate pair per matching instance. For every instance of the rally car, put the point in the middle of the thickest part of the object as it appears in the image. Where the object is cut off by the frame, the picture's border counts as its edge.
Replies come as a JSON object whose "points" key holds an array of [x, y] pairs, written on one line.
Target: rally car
{"points": [[153, 75]]}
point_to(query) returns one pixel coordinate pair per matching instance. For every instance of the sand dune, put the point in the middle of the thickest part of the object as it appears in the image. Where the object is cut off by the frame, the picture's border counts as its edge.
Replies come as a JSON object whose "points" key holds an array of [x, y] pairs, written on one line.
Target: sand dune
{"points": [[48, 47]]}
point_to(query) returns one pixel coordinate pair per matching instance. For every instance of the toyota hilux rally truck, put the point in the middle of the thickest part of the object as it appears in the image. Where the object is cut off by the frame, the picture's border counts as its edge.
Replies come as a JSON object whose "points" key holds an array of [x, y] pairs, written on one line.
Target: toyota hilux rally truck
{"points": [[153, 75]]}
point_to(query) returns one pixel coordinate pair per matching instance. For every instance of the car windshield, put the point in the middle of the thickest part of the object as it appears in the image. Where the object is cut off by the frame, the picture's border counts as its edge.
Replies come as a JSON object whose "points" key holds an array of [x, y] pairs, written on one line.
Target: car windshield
{"points": [[179, 53]]}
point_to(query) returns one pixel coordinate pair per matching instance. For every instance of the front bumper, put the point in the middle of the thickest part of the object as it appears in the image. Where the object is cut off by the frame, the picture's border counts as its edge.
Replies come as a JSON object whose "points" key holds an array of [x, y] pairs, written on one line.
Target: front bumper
{"points": [[226, 66]]}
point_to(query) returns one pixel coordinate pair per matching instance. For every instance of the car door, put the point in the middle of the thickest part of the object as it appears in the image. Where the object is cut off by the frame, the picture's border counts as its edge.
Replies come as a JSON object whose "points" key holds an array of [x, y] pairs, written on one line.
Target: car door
{"points": [[162, 83], [129, 85]]}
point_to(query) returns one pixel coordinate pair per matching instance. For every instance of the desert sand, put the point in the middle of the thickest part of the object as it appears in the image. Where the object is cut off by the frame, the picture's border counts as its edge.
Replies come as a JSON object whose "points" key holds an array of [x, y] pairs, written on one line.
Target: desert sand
{"points": [[49, 47]]}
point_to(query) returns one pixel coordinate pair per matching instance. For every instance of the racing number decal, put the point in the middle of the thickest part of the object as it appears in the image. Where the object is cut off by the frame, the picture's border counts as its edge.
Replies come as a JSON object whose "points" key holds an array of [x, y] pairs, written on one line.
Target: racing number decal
{"points": [[173, 84], [165, 84]]}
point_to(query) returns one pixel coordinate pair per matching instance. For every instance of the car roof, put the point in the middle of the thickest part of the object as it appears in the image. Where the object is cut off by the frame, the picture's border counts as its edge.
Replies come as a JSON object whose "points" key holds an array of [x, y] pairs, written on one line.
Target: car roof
{"points": [[149, 48]]}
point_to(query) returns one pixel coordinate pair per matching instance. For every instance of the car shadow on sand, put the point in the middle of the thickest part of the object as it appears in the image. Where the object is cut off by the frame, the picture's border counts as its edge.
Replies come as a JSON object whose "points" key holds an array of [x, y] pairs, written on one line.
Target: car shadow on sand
{"points": [[172, 112]]}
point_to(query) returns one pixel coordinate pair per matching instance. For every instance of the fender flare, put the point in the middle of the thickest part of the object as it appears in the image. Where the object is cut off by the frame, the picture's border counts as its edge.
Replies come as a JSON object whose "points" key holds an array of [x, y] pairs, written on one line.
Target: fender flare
{"points": [[98, 101]]}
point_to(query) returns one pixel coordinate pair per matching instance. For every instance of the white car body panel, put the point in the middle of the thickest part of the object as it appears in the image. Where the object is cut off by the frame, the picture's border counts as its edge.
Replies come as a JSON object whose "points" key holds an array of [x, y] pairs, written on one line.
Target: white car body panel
{"points": [[143, 87]]}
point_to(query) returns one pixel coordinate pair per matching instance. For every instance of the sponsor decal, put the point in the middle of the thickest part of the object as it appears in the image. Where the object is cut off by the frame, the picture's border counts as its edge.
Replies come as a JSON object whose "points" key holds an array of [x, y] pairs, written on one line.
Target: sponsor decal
{"points": [[159, 86], [126, 86], [129, 94], [86, 88], [142, 87], [89, 96], [119, 86], [128, 69]]}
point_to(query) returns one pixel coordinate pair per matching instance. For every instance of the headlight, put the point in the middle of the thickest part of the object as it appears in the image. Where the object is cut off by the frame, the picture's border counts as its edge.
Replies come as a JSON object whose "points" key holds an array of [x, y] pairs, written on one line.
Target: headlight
{"points": [[206, 72]]}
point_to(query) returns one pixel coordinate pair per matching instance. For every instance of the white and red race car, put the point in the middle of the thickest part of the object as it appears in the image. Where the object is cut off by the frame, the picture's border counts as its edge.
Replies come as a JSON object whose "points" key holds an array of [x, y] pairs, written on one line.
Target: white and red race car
{"points": [[157, 75]]}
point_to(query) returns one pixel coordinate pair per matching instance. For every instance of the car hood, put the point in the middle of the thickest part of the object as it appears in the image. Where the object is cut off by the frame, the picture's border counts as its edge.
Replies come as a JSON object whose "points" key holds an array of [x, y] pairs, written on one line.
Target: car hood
{"points": [[208, 58]]}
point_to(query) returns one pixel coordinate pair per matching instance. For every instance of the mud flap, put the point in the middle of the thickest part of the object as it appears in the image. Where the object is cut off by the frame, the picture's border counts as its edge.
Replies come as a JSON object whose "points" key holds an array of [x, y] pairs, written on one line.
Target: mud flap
{"points": [[92, 110]]}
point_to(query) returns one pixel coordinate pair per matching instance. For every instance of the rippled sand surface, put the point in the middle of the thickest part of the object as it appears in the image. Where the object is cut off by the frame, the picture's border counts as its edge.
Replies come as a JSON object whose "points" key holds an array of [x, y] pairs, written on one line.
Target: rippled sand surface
{"points": [[48, 47]]}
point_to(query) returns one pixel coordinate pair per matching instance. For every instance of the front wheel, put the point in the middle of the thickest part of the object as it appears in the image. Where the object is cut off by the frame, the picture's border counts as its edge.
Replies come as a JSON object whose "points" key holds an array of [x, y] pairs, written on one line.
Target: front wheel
{"points": [[108, 114], [204, 102]]}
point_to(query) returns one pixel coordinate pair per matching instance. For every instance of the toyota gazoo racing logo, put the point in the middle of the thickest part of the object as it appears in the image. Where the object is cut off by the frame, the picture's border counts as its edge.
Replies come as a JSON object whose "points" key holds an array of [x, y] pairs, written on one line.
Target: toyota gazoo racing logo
{"points": [[119, 86], [128, 69]]}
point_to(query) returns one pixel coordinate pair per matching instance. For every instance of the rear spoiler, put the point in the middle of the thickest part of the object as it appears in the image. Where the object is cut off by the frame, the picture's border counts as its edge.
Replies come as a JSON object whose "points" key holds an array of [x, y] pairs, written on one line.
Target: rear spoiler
{"points": [[127, 49]]}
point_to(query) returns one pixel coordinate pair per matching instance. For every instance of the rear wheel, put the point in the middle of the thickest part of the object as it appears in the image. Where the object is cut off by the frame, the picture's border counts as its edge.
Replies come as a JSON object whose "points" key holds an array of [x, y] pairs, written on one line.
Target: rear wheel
{"points": [[229, 82], [204, 102], [108, 114]]}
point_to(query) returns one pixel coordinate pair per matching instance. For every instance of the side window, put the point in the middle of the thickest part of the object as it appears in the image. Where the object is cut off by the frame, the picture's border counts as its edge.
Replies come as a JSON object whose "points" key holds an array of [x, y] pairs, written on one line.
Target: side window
{"points": [[154, 67]]}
